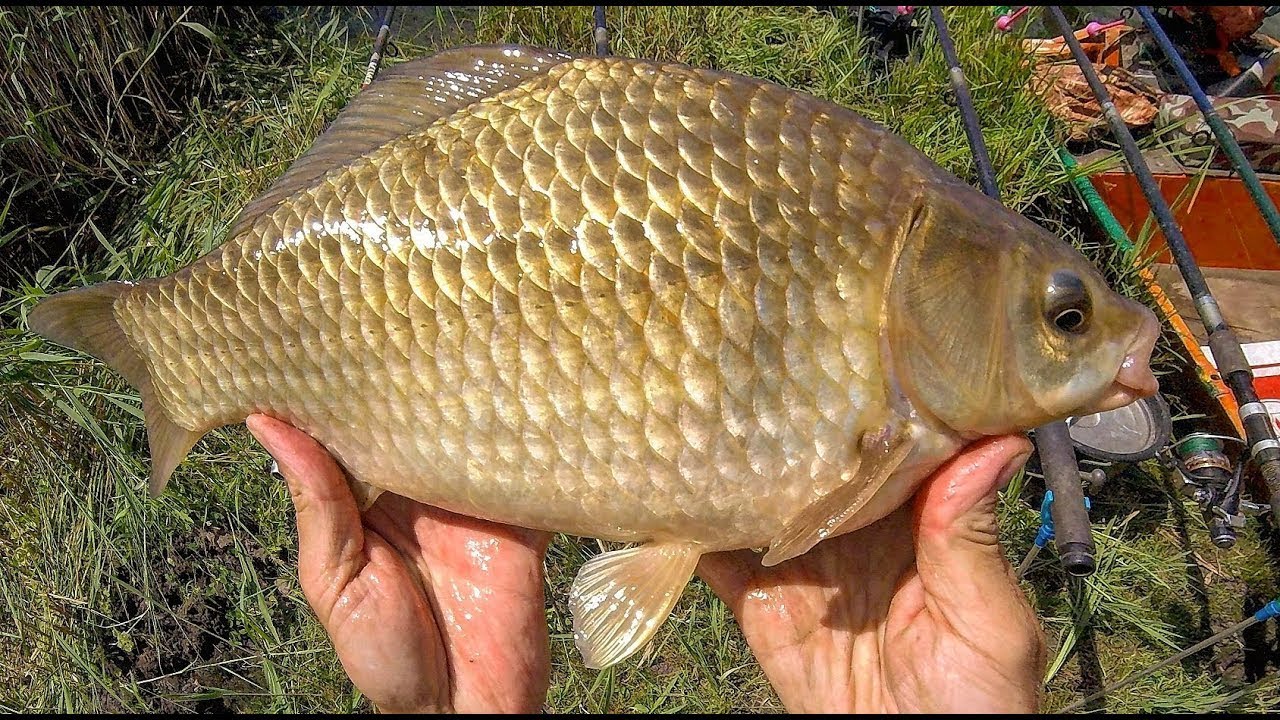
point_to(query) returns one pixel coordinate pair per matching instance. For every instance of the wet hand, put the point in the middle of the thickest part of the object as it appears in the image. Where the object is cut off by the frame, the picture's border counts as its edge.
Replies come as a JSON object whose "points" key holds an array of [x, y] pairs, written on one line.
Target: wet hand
{"points": [[427, 610], [919, 612]]}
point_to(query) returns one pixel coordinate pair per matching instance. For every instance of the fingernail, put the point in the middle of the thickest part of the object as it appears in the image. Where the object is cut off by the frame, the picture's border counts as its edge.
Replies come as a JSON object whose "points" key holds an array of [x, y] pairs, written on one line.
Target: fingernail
{"points": [[266, 441], [1011, 468]]}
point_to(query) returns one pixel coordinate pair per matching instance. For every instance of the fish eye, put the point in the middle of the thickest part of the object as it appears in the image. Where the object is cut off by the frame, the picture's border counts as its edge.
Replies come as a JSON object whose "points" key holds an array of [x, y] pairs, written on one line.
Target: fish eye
{"points": [[1069, 320], [1067, 303]]}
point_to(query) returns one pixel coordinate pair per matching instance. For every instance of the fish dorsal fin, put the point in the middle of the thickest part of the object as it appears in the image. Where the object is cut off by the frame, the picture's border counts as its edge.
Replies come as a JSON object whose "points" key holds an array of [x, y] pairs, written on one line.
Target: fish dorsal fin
{"points": [[405, 97]]}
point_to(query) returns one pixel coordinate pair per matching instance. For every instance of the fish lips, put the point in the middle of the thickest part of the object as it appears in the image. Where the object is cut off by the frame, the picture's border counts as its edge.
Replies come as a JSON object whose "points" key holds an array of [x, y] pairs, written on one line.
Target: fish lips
{"points": [[1134, 380]]}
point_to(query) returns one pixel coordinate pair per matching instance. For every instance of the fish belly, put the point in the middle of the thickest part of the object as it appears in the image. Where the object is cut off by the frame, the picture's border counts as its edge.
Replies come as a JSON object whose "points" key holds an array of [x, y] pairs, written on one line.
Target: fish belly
{"points": [[611, 301]]}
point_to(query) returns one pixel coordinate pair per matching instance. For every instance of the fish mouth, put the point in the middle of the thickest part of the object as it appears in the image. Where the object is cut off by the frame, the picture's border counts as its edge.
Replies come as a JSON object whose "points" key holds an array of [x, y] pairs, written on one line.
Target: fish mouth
{"points": [[1134, 380]]}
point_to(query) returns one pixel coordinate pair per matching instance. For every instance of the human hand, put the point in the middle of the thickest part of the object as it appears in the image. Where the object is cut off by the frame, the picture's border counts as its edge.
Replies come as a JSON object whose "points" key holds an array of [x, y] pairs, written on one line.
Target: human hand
{"points": [[427, 610], [919, 612]]}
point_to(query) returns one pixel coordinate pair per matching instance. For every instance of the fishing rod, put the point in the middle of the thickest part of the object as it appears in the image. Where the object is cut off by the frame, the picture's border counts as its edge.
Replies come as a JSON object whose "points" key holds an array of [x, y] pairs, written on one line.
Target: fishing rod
{"points": [[1232, 364], [601, 33], [1069, 513], [986, 173], [1268, 611], [1225, 137], [384, 32]]}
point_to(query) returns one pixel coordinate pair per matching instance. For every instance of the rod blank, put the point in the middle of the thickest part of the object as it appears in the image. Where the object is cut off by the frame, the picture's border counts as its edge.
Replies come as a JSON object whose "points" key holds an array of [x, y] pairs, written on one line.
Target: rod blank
{"points": [[601, 33], [1073, 535], [986, 173], [384, 31], [1267, 612]]}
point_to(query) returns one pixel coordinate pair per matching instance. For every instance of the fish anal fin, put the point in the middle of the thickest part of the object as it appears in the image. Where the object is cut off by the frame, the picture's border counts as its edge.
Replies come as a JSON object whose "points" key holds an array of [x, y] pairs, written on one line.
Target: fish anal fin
{"points": [[403, 99], [880, 456], [620, 598], [169, 442]]}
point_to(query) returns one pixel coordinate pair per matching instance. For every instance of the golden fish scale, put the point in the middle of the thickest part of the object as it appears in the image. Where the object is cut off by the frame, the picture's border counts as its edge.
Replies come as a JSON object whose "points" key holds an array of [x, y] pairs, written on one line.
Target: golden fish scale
{"points": [[623, 300]]}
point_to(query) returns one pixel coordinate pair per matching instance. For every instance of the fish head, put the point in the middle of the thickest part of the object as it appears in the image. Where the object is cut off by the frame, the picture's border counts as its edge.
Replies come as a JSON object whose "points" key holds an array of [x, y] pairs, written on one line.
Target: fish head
{"points": [[994, 325]]}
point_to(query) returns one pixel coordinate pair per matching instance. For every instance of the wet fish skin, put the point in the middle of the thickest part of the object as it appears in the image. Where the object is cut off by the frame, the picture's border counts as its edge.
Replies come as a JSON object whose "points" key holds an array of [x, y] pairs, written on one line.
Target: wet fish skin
{"points": [[621, 299], [566, 309]]}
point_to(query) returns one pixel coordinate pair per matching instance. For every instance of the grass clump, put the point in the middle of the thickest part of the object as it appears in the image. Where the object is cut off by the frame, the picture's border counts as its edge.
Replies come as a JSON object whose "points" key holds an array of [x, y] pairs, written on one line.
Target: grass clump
{"points": [[91, 89], [113, 601], [90, 93]]}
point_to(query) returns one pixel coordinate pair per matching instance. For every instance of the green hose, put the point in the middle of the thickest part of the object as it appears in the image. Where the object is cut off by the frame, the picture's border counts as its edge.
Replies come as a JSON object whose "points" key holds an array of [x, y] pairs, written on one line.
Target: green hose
{"points": [[1095, 202]]}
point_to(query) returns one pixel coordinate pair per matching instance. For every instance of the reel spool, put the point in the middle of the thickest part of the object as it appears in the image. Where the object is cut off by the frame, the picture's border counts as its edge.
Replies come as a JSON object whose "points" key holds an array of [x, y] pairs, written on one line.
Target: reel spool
{"points": [[1129, 434]]}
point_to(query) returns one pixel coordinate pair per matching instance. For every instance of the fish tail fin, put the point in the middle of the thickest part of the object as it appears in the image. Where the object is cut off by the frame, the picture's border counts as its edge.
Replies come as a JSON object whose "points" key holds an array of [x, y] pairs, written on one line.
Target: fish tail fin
{"points": [[84, 319]]}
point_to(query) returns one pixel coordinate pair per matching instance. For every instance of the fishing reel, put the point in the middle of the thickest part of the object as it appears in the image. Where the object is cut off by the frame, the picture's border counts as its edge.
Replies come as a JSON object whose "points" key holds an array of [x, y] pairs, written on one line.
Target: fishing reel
{"points": [[1115, 440], [1108, 442], [1213, 481], [1129, 434]]}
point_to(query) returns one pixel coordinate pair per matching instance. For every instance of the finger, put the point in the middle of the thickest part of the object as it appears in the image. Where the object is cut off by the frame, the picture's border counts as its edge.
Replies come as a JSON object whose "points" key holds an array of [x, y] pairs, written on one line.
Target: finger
{"points": [[966, 578], [969, 482], [487, 588], [330, 535]]}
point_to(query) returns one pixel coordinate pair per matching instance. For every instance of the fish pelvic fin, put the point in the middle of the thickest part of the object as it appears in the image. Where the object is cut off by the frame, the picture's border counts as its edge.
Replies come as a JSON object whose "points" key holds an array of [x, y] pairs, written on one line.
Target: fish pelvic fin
{"points": [[826, 516], [621, 598], [84, 319]]}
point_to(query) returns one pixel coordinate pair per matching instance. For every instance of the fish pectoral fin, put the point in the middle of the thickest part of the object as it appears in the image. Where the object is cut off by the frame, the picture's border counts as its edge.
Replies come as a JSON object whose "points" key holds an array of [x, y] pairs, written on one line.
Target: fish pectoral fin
{"points": [[365, 494], [825, 516], [620, 598]]}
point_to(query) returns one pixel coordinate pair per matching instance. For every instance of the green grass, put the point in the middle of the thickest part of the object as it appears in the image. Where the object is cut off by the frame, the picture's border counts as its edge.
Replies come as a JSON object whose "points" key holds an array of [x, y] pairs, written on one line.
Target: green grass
{"points": [[112, 601], [90, 95]]}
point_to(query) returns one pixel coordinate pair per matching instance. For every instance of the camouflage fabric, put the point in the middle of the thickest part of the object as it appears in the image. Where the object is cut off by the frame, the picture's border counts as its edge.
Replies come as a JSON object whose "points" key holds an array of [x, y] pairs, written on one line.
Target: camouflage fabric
{"points": [[1255, 123]]}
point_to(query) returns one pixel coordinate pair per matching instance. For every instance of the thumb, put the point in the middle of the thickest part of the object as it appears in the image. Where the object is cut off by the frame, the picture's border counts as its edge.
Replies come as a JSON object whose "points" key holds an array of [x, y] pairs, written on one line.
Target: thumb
{"points": [[958, 555], [330, 533]]}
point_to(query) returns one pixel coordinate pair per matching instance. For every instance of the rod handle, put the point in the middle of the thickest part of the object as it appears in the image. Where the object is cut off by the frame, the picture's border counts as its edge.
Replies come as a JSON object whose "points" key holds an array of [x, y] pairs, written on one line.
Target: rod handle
{"points": [[1072, 533], [1271, 476]]}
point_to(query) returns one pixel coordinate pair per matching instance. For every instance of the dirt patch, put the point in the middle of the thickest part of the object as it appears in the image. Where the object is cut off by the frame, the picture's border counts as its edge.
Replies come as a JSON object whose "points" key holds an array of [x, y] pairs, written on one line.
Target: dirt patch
{"points": [[189, 625]]}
